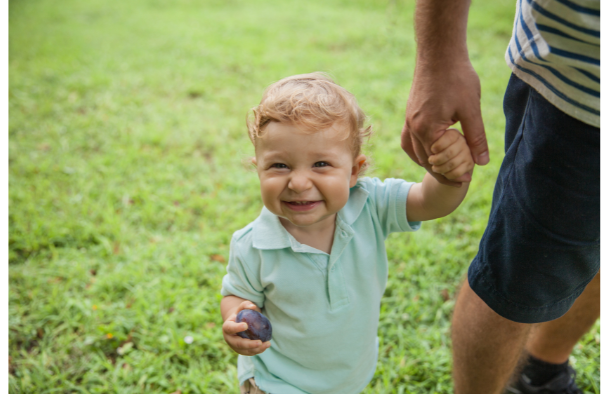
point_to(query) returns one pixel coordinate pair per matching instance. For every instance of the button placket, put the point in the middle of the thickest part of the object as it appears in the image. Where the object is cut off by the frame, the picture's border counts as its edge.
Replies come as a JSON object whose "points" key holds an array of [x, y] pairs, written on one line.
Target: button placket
{"points": [[336, 285]]}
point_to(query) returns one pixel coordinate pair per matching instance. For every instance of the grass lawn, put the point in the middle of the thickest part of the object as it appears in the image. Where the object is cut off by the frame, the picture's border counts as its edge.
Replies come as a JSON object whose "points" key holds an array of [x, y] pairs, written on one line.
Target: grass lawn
{"points": [[127, 142]]}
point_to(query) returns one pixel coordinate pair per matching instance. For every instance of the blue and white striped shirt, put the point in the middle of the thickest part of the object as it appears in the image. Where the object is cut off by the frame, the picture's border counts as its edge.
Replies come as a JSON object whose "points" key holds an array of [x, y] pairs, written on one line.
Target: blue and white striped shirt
{"points": [[555, 48]]}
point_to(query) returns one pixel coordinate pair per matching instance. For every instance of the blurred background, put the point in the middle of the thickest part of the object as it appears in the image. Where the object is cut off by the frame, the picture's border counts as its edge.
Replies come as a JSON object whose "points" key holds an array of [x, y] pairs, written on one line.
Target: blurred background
{"points": [[127, 142]]}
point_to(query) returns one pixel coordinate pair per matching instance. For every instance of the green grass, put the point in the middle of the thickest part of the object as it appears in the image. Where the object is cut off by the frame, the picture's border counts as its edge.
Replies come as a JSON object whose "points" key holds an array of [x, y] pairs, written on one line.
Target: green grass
{"points": [[127, 139]]}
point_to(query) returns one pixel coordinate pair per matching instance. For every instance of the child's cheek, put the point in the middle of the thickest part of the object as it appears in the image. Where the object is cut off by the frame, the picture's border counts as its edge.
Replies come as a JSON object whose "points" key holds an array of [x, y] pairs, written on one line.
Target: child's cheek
{"points": [[270, 191], [339, 198]]}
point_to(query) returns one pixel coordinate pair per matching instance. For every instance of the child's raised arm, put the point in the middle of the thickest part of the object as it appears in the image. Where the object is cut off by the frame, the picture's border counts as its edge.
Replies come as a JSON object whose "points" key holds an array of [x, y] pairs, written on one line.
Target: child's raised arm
{"points": [[430, 199], [230, 306]]}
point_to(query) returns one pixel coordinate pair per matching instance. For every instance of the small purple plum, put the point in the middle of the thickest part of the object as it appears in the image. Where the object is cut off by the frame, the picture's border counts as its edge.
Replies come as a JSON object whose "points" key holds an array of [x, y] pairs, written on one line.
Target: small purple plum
{"points": [[258, 326]]}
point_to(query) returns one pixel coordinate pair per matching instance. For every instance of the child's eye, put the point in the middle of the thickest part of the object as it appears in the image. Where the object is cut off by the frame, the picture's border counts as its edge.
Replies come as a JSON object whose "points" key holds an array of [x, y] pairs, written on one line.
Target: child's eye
{"points": [[278, 165], [321, 164]]}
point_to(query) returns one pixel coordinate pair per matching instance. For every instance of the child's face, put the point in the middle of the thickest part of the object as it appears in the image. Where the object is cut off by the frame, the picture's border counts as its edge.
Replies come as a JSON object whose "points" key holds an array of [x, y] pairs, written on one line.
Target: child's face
{"points": [[305, 178]]}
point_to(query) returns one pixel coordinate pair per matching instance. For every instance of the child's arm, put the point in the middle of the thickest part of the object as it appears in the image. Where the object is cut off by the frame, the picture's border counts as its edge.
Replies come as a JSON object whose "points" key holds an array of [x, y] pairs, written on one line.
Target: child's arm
{"points": [[430, 199], [230, 306]]}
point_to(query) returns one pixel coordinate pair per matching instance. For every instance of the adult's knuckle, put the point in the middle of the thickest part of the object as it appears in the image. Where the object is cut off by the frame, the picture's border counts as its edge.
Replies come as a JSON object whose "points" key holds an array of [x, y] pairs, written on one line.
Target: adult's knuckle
{"points": [[417, 124], [478, 140]]}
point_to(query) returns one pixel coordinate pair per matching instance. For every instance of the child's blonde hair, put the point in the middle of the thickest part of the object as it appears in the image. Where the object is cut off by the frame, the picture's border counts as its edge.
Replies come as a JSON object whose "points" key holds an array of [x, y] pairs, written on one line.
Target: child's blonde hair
{"points": [[313, 101]]}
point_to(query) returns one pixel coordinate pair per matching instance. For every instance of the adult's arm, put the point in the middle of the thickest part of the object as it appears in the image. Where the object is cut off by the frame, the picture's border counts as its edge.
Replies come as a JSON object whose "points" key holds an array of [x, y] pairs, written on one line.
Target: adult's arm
{"points": [[445, 88]]}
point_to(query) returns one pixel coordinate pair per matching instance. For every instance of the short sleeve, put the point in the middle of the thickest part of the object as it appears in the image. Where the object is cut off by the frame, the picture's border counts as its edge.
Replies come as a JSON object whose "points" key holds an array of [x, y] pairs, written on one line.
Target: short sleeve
{"points": [[389, 199], [242, 278]]}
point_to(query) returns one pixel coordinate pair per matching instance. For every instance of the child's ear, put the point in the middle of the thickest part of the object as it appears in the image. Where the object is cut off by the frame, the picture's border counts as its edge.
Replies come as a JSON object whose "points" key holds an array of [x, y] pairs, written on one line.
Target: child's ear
{"points": [[254, 162], [357, 166]]}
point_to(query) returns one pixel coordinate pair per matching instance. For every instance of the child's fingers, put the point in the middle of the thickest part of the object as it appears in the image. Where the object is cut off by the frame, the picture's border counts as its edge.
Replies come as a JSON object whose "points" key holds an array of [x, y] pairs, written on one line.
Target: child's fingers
{"points": [[248, 305], [231, 327], [459, 171], [243, 344], [258, 349], [452, 163], [454, 168], [448, 138], [247, 347], [445, 155], [448, 146], [236, 342]]}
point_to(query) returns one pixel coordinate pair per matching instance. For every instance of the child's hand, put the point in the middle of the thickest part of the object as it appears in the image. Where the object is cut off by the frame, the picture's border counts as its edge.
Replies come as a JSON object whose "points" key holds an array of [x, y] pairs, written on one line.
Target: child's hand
{"points": [[243, 346], [451, 155]]}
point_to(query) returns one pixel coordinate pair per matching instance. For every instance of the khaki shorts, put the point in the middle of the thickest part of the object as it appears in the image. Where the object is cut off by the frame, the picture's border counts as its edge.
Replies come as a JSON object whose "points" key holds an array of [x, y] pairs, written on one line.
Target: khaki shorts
{"points": [[249, 387]]}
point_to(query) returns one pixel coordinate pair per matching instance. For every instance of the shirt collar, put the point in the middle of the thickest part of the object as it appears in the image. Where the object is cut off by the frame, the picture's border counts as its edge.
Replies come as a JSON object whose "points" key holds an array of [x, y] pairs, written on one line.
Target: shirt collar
{"points": [[269, 233], [354, 206]]}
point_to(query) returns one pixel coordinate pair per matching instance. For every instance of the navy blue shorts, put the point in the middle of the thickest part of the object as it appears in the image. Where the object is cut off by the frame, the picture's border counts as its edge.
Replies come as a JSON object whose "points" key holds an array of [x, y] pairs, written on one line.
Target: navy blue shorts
{"points": [[542, 243]]}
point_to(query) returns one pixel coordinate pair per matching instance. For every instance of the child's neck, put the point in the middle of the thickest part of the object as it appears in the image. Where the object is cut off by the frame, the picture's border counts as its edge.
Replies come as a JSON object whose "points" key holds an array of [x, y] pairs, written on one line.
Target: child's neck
{"points": [[319, 236]]}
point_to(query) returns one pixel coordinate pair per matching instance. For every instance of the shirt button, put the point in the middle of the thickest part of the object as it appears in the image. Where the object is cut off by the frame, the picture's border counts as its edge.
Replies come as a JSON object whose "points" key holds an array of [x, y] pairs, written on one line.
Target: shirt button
{"points": [[344, 233]]}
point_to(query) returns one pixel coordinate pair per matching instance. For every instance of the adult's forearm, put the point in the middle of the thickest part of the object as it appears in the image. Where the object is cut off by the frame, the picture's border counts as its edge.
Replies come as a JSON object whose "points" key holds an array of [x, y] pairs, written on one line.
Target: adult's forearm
{"points": [[441, 31], [445, 88]]}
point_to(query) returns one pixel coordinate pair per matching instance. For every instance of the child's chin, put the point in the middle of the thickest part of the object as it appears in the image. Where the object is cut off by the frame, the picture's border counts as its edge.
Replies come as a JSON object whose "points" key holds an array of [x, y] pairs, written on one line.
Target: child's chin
{"points": [[300, 221], [311, 220], [303, 223]]}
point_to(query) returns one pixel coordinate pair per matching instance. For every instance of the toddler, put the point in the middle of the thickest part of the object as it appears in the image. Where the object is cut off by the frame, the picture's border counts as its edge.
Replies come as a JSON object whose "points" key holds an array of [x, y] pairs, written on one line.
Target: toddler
{"points": [[314, 261]]}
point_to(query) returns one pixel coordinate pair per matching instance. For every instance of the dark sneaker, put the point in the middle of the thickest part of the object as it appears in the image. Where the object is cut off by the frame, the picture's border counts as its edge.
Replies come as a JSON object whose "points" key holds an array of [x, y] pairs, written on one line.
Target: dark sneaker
{"points": [[563, 383]]}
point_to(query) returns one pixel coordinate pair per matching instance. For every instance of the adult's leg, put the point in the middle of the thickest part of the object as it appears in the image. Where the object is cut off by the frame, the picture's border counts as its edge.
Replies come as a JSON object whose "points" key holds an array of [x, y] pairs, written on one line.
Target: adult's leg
{"points": [[553, 341], [486, 347], [541, 246]]}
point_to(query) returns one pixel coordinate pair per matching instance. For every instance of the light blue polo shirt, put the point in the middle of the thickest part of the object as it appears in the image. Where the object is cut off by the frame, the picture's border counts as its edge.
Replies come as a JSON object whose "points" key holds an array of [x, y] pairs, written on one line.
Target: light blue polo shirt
{"points": [[324, 308]]}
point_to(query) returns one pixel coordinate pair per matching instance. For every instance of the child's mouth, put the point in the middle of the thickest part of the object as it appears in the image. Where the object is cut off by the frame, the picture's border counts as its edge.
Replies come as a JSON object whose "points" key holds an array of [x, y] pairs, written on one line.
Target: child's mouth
{"points": [[301, 205]]}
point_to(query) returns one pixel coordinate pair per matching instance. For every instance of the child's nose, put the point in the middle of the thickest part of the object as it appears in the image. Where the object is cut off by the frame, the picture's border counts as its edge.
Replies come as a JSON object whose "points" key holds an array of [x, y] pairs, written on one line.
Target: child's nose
{"points": [[299, 182]]}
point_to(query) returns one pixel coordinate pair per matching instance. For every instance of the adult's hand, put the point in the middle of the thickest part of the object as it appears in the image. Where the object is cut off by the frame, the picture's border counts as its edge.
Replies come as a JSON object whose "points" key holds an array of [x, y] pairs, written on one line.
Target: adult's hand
{"points": [[438, 99], [446, 88]]}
